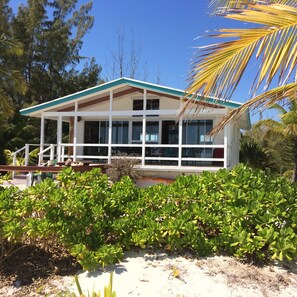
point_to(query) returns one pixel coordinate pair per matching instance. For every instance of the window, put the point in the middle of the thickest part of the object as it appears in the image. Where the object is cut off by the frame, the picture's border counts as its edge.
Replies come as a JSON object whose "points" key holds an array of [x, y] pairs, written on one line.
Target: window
{"points": [[91, 132], [96, 132], [152, 132], [136, 132], [120, 132], [197, 132], [169, 132], [103, 132], [151, 104]]}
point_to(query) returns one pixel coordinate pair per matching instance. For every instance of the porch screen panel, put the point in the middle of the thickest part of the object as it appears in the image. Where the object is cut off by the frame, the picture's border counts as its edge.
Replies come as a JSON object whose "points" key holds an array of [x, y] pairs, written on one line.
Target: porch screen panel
{"points": [[96, 132], [152, 132], [169, 132], [196, 132], [91, 132], [120, 130], [103, 132], [137, 132]]}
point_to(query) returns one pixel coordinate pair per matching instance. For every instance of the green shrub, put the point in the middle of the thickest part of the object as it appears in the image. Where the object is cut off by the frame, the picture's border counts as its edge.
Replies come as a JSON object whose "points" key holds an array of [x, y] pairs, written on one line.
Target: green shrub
{"points": [[240, 212]]}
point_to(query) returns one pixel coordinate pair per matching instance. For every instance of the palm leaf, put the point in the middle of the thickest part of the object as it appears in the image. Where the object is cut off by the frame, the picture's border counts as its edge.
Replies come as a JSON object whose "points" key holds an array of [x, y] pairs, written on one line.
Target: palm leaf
{"points": [[262, 101], [270, 127], [219, 67], [279, 108], [222, 7]]}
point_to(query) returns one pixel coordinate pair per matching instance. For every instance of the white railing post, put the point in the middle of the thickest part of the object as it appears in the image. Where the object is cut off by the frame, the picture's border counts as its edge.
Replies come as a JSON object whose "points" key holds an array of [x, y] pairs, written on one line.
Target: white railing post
{"points": [[14, 164], [14, 159], [59, 154], [52, 153], [26, 155], [63, 153]]}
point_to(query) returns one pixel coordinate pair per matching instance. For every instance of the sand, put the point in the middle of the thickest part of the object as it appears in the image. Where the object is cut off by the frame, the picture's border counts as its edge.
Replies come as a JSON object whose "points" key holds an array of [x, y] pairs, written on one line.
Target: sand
{"points": [[159, 274]]}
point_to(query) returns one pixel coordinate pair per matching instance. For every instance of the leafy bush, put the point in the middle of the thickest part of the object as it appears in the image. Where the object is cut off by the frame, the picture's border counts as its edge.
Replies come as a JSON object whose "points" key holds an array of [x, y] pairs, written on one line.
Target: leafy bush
{"points": [[242, 212], [11, 221]]}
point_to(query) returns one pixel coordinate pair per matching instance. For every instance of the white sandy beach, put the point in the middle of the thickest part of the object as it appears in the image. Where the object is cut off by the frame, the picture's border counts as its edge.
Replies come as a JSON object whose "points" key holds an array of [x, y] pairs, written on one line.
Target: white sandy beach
{"points": [[152, 274]]}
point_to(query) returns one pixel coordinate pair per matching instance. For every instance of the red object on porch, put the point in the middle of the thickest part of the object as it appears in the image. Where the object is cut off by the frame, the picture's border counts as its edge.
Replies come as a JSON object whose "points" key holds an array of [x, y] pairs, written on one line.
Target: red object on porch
{"points": [[218, 153]]}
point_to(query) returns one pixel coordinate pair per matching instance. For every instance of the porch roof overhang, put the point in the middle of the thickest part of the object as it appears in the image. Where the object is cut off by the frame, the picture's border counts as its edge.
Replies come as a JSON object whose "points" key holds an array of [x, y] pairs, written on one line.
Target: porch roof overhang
{"points": [[62, 102]]}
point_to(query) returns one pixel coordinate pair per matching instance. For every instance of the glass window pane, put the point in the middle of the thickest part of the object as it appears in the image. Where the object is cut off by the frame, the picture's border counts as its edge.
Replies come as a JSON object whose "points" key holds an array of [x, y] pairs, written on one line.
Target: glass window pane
{"points": [[196, 132], [120, 132], [138, 104], [136, 132], [152, 132], [169, 132], [103, 132], [152, 104]]}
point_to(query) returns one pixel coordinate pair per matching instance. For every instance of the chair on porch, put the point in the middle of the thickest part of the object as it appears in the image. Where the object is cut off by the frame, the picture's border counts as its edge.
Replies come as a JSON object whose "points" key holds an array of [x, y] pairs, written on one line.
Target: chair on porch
{"points": [[37, 177]]}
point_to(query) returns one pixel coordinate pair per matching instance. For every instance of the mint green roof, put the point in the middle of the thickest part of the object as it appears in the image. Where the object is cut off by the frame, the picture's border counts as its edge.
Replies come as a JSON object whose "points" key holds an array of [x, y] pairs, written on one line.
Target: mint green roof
{"points": [[123, 81]]}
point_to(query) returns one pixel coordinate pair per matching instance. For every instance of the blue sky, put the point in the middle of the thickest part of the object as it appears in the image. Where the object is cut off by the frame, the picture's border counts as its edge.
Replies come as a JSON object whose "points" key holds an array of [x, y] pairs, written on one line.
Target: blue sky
{"points": [[164, 32]]}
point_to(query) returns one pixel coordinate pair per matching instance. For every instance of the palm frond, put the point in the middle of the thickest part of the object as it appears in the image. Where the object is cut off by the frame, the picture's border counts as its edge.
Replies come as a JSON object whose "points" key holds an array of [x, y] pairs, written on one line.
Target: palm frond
{"points": [[222, 7], [270, 128], [219, 67], [279, 108], [262, 101]]}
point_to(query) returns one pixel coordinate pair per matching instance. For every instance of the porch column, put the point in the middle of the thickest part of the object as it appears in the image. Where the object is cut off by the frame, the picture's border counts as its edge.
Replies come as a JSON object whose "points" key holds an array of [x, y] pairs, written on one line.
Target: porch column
{"points": [[110, 126], [75, 132], [143, 128], [41, 139], [71, 133], [59, 138], [180, 136], [226, 146], [180, 141]]}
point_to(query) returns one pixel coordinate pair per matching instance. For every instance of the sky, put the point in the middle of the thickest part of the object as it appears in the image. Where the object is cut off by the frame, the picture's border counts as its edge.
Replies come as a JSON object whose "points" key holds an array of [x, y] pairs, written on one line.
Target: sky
{"points": [[165, 36]]}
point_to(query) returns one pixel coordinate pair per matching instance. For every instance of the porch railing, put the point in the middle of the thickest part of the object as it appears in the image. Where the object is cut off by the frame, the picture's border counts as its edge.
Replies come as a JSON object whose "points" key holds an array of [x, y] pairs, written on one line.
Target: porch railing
{"points": [[152, 152], [25, 151]]}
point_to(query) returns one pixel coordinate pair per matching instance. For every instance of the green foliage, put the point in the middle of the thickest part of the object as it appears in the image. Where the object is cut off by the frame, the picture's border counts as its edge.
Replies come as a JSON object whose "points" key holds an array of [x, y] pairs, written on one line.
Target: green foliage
{"points": [[273, 144], [47, 54], [242, 212], [33, 157], [255, 155]]}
